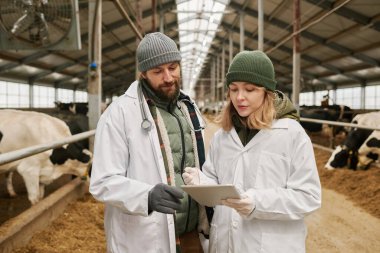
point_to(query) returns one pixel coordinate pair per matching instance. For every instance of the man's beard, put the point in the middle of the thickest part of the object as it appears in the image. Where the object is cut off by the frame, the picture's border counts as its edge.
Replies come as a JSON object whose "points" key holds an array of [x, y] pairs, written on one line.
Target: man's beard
{"points": [[165, 95]]}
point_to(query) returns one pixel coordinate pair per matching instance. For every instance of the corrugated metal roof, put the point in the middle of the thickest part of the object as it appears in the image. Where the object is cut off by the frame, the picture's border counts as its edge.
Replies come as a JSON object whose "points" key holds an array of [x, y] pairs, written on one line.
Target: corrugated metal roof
{"points": [[342, 49]]}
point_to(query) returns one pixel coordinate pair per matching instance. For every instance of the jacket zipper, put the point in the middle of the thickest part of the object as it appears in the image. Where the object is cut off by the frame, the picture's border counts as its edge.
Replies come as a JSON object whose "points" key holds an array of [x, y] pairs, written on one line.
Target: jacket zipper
{"points": [[182, 165]]}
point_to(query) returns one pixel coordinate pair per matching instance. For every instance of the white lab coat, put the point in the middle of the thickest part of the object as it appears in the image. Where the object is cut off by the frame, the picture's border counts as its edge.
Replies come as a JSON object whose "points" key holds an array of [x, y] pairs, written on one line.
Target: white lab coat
{"points": [[277, 168], [127, 164]]}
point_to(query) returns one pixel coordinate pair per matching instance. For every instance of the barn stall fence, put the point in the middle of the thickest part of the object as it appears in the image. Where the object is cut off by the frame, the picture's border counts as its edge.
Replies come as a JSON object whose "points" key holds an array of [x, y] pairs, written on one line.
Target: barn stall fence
{"points": [[17, 231], [336, 124]]}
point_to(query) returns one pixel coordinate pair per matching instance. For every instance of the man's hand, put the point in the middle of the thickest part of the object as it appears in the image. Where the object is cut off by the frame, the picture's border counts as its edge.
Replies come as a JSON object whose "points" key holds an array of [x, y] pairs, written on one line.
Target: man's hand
{"points": [[191, 176], [164, 199]]}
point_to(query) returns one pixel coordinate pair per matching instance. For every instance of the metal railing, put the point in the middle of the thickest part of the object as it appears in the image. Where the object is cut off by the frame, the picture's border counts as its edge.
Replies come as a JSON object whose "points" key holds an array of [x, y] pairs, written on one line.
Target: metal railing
{"points": [[335, 124], [29, 151], [338, 123]]}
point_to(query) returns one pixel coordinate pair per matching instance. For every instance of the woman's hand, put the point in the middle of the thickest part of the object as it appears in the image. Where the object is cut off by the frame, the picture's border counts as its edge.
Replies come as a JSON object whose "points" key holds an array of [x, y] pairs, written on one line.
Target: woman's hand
{"points": [[191, 176], [244, 206]]}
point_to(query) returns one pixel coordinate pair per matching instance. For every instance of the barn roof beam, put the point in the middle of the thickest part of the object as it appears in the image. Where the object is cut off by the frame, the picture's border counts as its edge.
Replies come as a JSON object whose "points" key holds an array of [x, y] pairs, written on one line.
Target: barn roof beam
{"points": [[311, 36], [117, 24], [118, 86], [278, 62], [25, 60], [124, 67], [345, 70], [348, 13], [18, 62], [331, 67], [303, 56], [81, 74], [130, 41], [57, 69], [346, 32], [290, 51], [80, 61], [84, 37], [123, 57]]}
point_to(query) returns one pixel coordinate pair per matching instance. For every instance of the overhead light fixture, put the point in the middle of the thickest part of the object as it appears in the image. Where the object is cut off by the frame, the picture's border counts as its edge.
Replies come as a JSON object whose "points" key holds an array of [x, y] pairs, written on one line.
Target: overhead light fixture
{"points": [[198, 30], [198, 23], [225, 12]]}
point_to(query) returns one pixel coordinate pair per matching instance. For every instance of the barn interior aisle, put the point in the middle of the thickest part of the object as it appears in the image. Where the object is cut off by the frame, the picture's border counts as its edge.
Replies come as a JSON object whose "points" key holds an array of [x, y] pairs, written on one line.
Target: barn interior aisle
{"points": [[348, 221], [64, 62]]}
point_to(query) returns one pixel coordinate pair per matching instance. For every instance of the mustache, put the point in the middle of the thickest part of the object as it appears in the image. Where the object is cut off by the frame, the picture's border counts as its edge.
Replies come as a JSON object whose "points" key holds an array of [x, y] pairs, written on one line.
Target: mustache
{"points": [[168, 84]]}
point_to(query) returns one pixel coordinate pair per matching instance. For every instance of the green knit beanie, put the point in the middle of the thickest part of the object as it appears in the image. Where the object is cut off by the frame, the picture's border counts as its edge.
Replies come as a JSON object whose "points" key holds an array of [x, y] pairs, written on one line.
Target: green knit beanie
{"points": [[252, 67], [156, 49]]}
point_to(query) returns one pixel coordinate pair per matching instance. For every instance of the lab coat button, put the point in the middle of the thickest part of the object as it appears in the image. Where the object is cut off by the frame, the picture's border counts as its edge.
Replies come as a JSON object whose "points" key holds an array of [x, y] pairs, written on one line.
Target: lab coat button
{"points": [[234, 224]]}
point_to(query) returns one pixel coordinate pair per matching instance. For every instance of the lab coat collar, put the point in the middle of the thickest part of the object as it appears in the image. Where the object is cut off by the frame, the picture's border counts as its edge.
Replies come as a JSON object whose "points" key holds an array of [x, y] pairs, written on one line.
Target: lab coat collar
{"points": [[280, 123], [262, 135], [132, 90]]}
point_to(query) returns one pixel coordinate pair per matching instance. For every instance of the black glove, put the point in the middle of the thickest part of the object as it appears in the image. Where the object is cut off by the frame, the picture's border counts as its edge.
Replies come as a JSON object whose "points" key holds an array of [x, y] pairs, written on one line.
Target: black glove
{"points": [[164, 199]]}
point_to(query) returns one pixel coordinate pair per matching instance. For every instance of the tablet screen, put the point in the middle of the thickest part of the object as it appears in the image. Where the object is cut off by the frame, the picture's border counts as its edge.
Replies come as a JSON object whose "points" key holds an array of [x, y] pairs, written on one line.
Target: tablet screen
{"points": [[211, 195]]}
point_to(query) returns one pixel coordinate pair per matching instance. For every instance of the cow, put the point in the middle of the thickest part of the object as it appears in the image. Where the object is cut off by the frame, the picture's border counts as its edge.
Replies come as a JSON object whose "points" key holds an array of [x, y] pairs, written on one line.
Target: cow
{"points": [[360, 148], [77, 119], [8, 176], [21, 129], [77, 107], [370, 150], [74, 107], [334, 112]]}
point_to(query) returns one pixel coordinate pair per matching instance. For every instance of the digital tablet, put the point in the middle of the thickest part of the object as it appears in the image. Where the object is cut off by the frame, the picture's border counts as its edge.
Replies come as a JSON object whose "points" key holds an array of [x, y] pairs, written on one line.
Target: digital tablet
{"points": [[211, 195]]}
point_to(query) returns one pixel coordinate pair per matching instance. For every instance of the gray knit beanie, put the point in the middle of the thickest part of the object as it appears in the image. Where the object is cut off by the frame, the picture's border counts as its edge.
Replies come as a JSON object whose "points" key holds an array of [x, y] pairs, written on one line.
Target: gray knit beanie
{"points": [[156, 49], [253, 67]]}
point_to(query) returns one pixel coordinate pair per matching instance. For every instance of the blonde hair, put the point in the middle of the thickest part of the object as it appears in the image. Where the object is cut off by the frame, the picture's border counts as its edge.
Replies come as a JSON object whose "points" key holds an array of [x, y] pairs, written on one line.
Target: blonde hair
{"points": [[262, 118]]}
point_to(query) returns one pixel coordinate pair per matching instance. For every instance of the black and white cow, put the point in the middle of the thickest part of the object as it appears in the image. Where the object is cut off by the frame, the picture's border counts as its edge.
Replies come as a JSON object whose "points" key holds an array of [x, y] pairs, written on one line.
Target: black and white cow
{"points": [[74, 107], [370, 150], [8, 176], [21, 129], [77, 107], [331, 112], [361, 147]]}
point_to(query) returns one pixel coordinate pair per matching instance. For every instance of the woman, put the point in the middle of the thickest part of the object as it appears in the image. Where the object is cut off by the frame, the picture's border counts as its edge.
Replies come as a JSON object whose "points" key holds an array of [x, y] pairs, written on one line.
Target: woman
{"points": [[266, 154]]}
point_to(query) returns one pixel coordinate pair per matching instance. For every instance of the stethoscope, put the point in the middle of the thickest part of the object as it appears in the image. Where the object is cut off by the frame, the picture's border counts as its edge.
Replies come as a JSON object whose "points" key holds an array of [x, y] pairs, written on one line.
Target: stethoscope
{"points": [[147, 125]]}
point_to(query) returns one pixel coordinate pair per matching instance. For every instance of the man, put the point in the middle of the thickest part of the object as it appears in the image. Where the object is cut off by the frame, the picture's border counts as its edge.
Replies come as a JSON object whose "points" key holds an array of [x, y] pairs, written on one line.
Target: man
{"points": [[143, 142]]}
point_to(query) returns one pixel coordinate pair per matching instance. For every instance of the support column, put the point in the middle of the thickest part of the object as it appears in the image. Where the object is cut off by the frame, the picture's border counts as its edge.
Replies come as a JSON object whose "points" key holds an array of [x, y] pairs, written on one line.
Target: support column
{"points": [[55, 92], [161, 21], [334, 95], [74, 95], [296, 53], [241, 31], [223, 73], [212, 86], [94, 85], [260, 25], [217, 78], [230, 48], [154, 8], [362, 97], [202, 92], [140, 29], [31, 94]]}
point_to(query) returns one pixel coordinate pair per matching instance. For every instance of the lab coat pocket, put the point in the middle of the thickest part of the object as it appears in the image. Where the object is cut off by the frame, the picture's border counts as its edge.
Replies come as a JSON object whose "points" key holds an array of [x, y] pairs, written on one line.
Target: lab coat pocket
{"points": [[132, 227], [213, 243], [285, 243], [273, 170]]}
